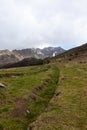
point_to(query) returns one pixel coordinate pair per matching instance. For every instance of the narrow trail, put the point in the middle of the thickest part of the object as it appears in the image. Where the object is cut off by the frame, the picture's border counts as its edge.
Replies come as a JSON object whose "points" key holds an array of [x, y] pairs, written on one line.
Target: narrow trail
{"points": [[41, 96], [67, 109]]}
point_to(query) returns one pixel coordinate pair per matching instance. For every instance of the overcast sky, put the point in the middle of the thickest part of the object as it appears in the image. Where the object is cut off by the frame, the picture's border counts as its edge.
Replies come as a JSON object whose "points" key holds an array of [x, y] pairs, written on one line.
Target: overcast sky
{"points": [[42, 23]]}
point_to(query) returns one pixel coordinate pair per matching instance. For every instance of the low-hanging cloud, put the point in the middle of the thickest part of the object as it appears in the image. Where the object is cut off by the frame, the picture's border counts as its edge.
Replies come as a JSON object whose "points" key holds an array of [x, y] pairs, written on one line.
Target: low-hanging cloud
{"points": [[40, 23]]}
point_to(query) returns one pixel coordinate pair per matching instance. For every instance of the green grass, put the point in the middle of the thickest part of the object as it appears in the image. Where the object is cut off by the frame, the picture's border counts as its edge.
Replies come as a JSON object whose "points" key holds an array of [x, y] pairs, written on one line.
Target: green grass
{"points": [[47, 97], [44, 96], [68, 110], [15, 99]]}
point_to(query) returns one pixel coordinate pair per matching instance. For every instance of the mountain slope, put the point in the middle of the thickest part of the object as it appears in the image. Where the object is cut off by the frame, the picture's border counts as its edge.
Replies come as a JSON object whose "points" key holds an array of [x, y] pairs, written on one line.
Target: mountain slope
{"points": [[77, 54], [27, 93], [67, 109], [47, 97], [23, 63], [7, 56]]}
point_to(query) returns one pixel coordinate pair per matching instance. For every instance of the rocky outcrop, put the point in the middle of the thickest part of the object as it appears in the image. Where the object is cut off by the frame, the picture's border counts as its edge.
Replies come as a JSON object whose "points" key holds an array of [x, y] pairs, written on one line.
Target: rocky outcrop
{"points": [[7, 56], [40, 53]]}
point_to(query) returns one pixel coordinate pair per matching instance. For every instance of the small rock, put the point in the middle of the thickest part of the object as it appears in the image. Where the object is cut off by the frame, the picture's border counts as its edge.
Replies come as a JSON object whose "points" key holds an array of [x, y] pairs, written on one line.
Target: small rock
{"points": [[2, 85], [28, 112]]}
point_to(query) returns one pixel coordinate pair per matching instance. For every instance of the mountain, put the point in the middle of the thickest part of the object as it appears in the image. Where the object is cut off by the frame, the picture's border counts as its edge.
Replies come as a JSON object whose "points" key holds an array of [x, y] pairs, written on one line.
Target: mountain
{"points": [[7, 56], [39, 53], [26, 57], [77, 54]]}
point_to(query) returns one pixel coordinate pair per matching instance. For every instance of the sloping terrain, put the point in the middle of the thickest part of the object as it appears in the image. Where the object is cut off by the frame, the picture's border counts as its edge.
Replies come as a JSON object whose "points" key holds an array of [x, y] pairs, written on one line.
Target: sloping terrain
{"points": [[26, 94], [77, 54], [24, 62], [67, 110], [7, 56], [46, 97]]}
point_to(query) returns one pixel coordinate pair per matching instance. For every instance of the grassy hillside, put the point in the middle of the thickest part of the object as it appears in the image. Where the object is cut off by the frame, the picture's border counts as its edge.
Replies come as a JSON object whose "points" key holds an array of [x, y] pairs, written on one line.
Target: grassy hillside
{"points": [[27, 94], [47, 97], [67, 110], [77, 54]]}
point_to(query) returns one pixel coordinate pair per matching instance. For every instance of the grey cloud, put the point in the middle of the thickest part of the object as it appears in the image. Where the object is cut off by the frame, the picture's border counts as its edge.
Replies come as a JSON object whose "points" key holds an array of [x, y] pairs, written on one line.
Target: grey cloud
{"points": [[39, 23]]}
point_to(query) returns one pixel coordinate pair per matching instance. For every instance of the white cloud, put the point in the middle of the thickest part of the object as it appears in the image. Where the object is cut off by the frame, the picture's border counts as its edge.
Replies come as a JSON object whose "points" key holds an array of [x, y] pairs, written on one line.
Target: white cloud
{"points": [[40, 23]]}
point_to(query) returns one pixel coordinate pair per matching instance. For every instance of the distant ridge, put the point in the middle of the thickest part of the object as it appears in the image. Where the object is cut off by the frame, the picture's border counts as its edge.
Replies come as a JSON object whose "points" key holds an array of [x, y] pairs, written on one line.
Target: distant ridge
{"points": [[7, 56], [39, 53], [78, 54]]}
